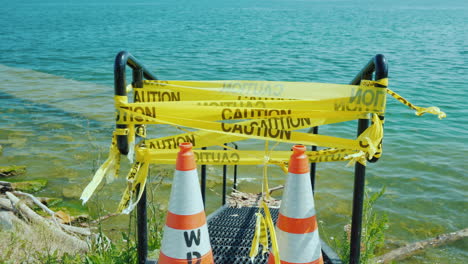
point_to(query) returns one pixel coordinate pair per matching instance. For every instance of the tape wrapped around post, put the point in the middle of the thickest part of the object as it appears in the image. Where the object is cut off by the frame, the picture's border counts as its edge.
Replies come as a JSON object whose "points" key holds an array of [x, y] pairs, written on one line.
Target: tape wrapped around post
{"points": [[227, 111]]}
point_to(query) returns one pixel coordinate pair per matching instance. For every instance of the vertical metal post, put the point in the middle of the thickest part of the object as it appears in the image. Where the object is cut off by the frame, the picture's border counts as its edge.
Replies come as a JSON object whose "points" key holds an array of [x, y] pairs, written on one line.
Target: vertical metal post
{"points": [[313, 166], [235, 170], [223, 200], [203, 181], [359, 182], [379, 65], [120, 84], [142, 229], [122, 60], [142, 216], [358, 201]]}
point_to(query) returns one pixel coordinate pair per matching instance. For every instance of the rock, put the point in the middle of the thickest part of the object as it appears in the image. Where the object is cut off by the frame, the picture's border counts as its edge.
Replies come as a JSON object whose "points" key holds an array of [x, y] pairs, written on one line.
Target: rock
{"points": [[29, 186], [49, 201], [72, 191], [44, 200], [63, 217], [5, 187], [80, 220], [10, 171]]}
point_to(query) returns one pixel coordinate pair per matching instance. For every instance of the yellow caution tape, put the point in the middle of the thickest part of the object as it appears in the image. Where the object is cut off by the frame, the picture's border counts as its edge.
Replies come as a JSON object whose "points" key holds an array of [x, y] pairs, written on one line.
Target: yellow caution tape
{"points": [[227, 111], [136, 181], [243, 157], [140, 131], [263, 225], [256, 239], [120, 100], [254, 90], [127, 196], [266, 160], [271, 230], [368, 142], [260, 236], [382, 82], [264, 235], [237, 129], [203, 138], [419, 110], [142, 113], [164, 91], [110, 167]]}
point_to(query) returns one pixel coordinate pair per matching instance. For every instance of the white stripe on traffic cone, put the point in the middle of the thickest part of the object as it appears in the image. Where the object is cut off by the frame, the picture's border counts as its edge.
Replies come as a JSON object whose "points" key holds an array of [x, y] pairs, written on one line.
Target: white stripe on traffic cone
{"points": [[296, 228]]}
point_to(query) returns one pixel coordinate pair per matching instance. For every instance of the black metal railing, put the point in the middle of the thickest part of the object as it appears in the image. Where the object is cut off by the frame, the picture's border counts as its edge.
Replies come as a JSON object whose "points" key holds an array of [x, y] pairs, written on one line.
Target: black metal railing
{"points": [[224, 186], [313, 166], [122, 60], [376, 69], [378, 66]]}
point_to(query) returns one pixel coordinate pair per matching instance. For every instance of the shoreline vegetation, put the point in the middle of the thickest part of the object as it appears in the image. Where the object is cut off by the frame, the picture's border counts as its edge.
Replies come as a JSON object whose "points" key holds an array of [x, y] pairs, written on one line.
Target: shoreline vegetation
{"points": [[32, 232], [37, 230]]}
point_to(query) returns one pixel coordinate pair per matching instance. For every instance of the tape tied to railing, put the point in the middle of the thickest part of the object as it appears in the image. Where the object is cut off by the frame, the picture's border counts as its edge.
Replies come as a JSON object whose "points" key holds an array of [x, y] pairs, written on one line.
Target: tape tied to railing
{"points": [[228, 111]]}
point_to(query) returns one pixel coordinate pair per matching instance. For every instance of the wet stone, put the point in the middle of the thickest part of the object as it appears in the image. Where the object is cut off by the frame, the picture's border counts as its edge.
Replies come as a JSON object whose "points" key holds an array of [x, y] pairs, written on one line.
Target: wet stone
{"points": [[12, 170]]}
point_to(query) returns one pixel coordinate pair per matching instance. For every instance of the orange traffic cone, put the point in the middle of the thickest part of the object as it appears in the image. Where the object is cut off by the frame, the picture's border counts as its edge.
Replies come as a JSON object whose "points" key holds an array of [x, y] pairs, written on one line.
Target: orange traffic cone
{"points": [[185, 238], [296, 228]]}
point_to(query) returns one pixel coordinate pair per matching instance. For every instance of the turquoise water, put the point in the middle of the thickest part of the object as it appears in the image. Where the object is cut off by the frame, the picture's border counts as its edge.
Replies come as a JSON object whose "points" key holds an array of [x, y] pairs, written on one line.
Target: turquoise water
{"points": [[56, 78]]}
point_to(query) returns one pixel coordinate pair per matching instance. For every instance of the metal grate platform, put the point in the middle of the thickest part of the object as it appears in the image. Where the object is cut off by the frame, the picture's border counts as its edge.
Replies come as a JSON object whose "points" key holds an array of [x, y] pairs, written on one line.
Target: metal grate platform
{"points": [[231, 232]]}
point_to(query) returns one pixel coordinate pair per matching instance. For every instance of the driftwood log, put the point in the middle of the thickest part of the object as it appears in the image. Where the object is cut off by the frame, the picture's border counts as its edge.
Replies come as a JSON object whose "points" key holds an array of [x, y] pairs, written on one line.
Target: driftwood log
{"points": [[35, 201], [104, 217], [5, 204], [414, 248], [279, 187], [238, 199], [51, 226]]}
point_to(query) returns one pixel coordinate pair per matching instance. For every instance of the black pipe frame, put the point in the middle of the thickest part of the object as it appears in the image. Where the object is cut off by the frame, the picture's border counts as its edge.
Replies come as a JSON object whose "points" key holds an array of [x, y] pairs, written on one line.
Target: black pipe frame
{"points": [[122, 60], [313, 165], [378, 64], [224, 190], [203, 182]]}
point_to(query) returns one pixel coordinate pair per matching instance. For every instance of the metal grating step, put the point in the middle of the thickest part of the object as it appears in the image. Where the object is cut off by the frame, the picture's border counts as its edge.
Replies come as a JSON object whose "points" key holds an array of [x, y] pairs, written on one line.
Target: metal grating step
{"points": [[231, 232]]}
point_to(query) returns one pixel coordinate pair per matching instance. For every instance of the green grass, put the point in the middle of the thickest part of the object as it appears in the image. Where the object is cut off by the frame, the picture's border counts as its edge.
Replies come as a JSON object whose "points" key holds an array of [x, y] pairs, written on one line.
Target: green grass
{"points": [[34, 244], [373, 231], [39, 248]]}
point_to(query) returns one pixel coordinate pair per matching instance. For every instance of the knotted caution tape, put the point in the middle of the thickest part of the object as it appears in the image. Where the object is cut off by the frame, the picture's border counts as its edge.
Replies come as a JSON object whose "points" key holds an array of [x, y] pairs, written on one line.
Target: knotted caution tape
{"points": [[260, 237], [264, 225], [136, 182], [271, 230], [264, 110], [419, 110], [109, 168]]}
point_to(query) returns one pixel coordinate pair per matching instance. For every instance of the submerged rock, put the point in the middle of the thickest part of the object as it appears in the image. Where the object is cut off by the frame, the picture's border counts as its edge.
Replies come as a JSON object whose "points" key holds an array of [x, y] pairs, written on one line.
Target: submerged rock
{"points": [[49, 201], [5, 187], [29, 186], [72, 191], [10, 171]]}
